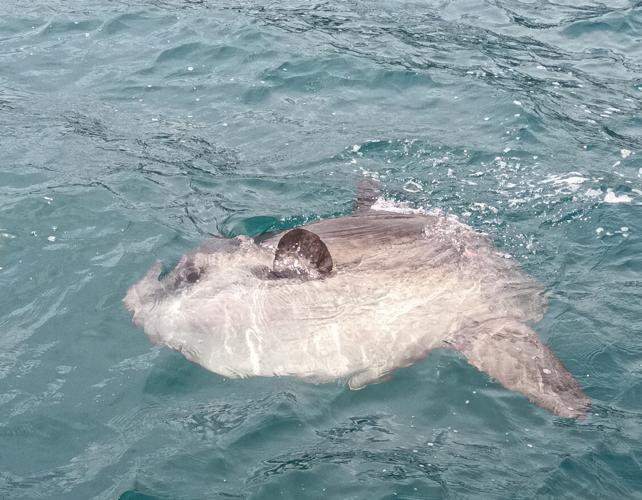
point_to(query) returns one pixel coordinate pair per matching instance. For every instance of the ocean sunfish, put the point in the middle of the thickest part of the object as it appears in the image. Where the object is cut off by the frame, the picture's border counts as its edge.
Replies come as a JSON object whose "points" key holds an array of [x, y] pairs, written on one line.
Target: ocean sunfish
{"points": [[354, 298]]}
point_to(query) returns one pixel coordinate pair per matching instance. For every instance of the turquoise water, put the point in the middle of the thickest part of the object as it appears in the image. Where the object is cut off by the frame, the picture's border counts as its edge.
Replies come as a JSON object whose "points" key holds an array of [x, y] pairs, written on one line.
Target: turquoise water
{"points": [[129, 131]]}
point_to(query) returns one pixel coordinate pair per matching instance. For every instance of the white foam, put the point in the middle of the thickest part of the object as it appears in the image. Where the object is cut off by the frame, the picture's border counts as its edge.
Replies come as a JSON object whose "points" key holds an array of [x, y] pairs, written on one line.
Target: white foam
{"points": [[412, 187], [625, 153], [611, 197], [385, 205], [571, 183]]}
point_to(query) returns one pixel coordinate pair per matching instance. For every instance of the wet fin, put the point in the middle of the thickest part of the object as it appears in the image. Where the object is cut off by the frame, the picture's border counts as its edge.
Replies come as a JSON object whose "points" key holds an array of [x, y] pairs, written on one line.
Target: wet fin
{"points": [[512, 354], [301, 253], [368, 191]]}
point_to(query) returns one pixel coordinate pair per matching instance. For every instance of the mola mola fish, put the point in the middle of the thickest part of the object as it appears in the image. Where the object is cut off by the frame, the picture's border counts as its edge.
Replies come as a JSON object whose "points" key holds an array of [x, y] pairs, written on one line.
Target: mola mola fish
{"points": [[355, 298]]}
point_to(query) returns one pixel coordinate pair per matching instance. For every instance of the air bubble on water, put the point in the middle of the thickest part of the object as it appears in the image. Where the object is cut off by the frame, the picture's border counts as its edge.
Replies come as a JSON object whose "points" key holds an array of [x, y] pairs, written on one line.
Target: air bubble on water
{"points": [[529, 445], [51, 238], [190, 68], [486, 118], [517, 103]]}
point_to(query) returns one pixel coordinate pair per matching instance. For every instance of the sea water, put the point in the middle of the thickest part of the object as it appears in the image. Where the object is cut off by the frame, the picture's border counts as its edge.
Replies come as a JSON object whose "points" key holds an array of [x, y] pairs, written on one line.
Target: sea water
{"points": [[130, 131]]}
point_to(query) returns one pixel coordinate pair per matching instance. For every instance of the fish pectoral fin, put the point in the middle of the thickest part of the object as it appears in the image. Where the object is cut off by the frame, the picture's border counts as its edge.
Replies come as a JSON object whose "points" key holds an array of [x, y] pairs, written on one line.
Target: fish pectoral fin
{"points": [[512, 354], [301, 253]]}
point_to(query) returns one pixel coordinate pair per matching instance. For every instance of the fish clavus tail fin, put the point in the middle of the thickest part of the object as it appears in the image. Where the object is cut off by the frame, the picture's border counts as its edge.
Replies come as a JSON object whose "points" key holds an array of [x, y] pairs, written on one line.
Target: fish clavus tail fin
{"points": [[513, 355]]}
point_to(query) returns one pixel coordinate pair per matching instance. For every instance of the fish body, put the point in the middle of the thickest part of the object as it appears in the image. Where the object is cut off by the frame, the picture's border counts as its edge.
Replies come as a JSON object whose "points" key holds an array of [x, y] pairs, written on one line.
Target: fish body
{"points": [[400, 285]]}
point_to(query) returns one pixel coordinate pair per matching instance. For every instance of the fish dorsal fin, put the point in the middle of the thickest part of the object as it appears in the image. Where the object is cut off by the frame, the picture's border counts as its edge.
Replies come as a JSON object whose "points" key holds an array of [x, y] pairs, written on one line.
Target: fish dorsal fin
{"points": [[301, 253], [368, 191]]}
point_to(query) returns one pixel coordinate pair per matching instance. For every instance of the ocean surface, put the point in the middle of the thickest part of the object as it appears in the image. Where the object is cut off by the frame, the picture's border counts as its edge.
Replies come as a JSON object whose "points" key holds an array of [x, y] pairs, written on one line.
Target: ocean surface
{"points": [[132, 130]]}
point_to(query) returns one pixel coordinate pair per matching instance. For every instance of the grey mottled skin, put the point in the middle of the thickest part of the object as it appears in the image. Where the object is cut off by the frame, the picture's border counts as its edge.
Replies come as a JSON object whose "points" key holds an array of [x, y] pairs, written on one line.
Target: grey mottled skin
{"points": [[401, 285]]}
